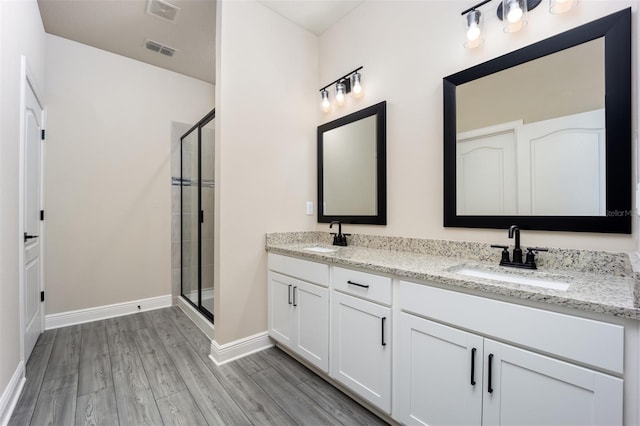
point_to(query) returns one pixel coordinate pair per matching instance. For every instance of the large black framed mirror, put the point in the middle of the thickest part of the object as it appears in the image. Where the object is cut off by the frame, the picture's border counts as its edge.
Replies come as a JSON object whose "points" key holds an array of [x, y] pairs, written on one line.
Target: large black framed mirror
{"points": [[352, 168], [541, 137]]}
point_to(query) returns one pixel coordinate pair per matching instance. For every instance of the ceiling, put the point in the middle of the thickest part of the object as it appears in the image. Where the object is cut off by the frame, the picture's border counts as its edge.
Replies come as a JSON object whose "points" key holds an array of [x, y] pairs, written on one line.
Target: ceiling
{"points": [[124, 26]]}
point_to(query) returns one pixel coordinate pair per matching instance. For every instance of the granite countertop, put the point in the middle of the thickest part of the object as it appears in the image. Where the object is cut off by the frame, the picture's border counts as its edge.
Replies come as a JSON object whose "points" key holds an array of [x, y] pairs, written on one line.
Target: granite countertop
{"points": [[607, 293]]}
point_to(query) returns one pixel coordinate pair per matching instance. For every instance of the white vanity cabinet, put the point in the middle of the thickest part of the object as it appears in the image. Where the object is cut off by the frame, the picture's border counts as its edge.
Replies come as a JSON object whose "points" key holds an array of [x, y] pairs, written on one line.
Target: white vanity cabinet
{"points": [[361, 334], [450, 376], [299, 307]]}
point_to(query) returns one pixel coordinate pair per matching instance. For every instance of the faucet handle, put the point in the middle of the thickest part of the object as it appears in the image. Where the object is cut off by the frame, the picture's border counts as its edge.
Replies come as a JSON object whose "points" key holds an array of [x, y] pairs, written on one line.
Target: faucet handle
{"points": [[536, 249], [505, 253], [530, 260]]}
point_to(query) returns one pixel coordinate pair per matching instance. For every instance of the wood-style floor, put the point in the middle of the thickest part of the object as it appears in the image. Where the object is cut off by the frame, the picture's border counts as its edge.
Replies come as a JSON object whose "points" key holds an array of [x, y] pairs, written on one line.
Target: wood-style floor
{"points": [[153, 368]]}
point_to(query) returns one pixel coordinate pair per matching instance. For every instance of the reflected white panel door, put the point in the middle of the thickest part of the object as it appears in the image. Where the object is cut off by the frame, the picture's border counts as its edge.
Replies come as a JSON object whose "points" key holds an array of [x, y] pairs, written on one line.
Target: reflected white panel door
{"points": [[440, 374], [32, 139], [564, 159], [486, 172], [532, 389]]}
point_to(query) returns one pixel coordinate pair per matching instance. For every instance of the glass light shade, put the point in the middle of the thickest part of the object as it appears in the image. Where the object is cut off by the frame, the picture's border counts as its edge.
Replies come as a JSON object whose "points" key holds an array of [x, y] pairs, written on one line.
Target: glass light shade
{"points": [[561, 6], [356, 85], [514, 15], [340, 92], [326, 105], [474, 29]]}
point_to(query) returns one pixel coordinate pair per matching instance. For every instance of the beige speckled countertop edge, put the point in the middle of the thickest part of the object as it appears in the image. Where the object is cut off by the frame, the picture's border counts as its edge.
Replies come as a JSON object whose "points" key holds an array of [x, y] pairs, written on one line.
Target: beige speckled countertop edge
{"points": [[609, 295]]}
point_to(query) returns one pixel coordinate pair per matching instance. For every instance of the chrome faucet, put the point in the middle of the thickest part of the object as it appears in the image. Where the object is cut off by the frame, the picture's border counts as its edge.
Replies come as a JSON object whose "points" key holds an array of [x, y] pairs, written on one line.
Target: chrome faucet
{"points": [[530, 261], [339, 239]]}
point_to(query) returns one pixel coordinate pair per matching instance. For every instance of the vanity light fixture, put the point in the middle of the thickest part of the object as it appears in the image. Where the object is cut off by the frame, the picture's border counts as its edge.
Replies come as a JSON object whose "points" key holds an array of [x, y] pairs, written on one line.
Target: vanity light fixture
{"points": [[351, 82], [561, 6]]}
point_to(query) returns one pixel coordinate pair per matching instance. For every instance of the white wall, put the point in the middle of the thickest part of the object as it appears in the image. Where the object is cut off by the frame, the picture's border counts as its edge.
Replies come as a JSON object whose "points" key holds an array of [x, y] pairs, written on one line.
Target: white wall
{"points": [[108, 214], [21, 33], [406, 48], [265, 154]]}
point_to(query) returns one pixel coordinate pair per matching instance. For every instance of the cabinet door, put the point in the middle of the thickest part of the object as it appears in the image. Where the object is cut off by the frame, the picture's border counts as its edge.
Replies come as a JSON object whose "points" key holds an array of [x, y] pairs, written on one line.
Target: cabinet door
{"points": [[361, 348], [440, 374], [281, 309], [311, 307], [533, 389]]}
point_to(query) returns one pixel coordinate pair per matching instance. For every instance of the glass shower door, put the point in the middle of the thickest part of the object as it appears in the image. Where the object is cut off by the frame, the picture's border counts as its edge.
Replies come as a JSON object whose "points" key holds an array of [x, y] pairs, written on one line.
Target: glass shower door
{"points": [[189, 224], [207, 206], [197, 215]]}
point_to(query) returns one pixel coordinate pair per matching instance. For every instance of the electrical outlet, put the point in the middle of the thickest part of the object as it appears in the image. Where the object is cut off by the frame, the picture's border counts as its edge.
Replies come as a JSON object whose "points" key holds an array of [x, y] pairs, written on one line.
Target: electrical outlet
{"points": [[309, 208]]}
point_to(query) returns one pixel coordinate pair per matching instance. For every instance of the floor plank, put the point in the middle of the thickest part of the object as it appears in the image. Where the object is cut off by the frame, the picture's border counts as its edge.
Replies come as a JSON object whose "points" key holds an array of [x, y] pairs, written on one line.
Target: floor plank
{"points": [[57, 402], [34, 373], [65, 355], [299, 406], [97, 408], [214, 401], [289, 368], [136, 404], [180, 409]]}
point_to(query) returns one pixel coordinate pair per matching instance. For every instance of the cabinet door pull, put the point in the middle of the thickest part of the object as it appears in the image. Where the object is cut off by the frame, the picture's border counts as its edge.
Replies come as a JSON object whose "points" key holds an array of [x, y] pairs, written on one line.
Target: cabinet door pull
{"points": [[294, 296], [358, 284], [383, 321], [489, 387], [289, 292], [473, 366]]}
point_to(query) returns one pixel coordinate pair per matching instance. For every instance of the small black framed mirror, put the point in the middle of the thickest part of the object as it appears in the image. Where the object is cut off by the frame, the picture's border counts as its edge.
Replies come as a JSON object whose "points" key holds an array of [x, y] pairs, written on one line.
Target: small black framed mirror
{"points": [[541, 137], [352, 170]]}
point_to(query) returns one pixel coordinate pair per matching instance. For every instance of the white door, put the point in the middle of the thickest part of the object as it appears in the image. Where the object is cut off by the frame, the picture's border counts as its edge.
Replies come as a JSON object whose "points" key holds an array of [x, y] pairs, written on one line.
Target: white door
{"points": [[440, 374], [361, 348], [531, 389], [311, 304], [32, 114]]}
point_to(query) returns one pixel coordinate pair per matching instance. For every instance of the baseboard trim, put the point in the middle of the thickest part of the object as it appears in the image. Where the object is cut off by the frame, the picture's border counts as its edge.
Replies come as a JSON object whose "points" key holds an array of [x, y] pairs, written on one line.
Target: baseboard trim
{"points": [[222, 354], [11, 394], [81, 316]]}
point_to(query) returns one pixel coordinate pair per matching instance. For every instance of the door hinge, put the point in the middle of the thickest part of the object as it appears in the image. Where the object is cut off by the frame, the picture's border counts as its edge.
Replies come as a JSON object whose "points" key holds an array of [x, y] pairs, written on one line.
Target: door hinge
{"points": [[41, 214], [42, 296], [42, 134]]}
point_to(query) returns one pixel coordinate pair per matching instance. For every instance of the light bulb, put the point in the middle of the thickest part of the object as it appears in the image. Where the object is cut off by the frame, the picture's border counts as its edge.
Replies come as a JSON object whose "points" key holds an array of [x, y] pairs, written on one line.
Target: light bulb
{"points": [[356, 86], [340, 89], [515, 13], [326, 105], [561, 6], [473, 32]]}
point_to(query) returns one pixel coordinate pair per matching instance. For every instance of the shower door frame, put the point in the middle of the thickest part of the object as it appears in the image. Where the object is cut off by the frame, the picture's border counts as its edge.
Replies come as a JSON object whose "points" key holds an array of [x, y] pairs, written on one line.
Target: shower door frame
{"points": [[197, 127]]}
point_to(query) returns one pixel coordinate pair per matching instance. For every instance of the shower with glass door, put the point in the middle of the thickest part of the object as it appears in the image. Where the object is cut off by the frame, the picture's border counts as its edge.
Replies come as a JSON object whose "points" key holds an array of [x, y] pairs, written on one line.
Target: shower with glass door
{"points": [[197, 214]]}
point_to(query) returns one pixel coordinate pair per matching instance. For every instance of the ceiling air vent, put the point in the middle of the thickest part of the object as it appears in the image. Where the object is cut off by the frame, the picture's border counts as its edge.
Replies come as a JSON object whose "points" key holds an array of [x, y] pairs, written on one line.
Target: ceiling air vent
{"points": [[159, 48], [162, 9]]}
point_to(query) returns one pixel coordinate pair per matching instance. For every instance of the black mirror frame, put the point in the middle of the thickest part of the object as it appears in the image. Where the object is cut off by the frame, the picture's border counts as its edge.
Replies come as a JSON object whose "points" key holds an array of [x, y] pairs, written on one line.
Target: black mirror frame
{"points": [[616, 30], [380, 111]]}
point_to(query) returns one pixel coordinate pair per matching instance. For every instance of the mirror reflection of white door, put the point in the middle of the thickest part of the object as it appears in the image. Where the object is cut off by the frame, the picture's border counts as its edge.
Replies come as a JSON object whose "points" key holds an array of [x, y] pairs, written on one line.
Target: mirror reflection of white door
{"points": [[486, 172], [564, 161], [32, 140]]}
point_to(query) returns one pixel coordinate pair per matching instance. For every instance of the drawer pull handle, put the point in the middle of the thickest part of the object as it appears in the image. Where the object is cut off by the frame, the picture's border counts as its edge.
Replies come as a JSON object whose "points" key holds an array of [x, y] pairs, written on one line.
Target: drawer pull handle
{"points": [[358, 284], [289, 292], [294, 296], [383, 321], [473, 366], [489, 387]]}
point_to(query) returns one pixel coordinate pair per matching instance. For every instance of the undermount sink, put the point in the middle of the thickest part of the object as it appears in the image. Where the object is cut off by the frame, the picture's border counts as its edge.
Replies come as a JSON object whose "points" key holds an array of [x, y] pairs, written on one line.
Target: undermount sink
{"points": [[513, 278], [320, 249]]}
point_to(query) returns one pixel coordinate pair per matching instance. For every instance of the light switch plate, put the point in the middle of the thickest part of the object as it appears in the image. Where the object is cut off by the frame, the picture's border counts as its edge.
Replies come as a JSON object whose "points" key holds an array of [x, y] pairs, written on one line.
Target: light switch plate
{"points": [[309, 208]]}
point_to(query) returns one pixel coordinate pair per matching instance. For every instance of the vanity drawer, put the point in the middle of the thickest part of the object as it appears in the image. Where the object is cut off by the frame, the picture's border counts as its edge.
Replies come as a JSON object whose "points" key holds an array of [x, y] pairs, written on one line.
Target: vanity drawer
{"points": [[314, 272], [362, 284]]}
